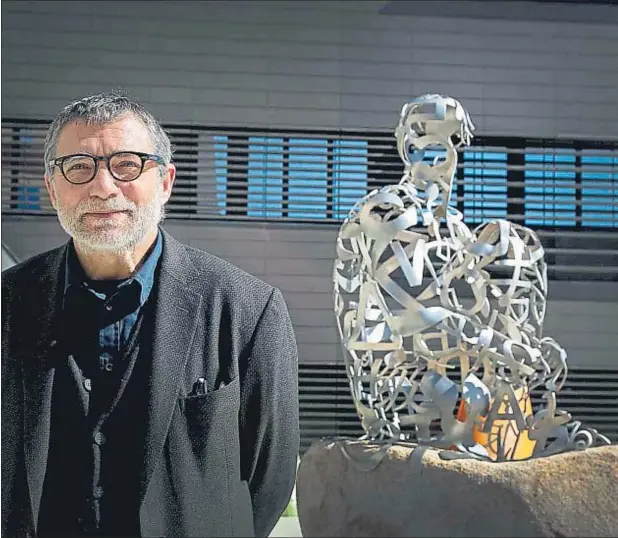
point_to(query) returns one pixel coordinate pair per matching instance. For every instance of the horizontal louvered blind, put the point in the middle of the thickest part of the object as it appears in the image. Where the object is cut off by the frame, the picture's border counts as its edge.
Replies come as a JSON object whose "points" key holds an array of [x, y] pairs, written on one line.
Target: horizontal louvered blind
{"points": [[327, 408], [566, 190]]}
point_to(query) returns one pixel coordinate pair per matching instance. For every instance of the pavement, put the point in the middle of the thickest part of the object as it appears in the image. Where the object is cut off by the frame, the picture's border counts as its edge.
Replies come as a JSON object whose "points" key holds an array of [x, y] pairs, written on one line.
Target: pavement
{"points": [[287, 527]]}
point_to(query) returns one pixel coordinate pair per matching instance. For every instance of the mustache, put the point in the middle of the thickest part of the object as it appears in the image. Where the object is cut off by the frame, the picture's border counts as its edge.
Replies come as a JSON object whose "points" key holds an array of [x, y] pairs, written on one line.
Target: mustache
{"points": [[93, 205]]}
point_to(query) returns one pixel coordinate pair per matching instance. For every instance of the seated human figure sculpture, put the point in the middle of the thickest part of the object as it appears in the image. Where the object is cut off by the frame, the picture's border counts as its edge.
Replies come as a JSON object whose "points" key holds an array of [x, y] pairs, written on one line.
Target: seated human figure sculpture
{"points": [[442, 325]]}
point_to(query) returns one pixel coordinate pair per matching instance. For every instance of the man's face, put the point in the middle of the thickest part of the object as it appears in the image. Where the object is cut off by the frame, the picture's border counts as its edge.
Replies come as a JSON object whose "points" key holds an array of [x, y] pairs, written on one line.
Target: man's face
{"points": [[107, 214]]}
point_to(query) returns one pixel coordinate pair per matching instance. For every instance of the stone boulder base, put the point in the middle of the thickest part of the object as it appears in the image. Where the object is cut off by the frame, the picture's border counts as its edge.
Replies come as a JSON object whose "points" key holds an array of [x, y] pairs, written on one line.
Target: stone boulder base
{"points": [[342, 491]]}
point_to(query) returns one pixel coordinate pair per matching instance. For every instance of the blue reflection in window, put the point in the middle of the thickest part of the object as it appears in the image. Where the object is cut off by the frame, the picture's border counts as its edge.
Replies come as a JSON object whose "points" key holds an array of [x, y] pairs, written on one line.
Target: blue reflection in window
{"points": [[599, 181], [550, 189], [485, 186], [28, 197], [307, 177], [349, 175], [265, 177]]}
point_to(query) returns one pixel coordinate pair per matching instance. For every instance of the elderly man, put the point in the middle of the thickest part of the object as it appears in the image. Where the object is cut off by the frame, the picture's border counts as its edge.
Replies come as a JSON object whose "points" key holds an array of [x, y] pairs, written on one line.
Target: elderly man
{"points": [[148, 388]]}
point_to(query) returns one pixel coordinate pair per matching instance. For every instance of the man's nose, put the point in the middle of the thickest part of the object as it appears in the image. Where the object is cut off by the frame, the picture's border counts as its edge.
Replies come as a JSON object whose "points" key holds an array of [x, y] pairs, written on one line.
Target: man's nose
{"points": [[103, 185]]}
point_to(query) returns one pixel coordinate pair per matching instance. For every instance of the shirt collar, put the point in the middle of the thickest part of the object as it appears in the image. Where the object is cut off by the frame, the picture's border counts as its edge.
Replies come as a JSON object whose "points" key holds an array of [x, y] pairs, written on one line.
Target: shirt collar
{"points": [[145, 274], [76, 276]]}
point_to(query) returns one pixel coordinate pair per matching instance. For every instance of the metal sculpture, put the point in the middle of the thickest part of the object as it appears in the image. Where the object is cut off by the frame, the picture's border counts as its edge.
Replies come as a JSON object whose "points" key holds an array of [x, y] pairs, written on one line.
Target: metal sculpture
{"points": [[442, 326]]}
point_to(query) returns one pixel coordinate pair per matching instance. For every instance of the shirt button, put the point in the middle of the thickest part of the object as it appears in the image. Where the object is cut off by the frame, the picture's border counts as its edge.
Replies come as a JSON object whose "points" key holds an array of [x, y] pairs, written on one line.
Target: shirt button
{"points": [[87, 384], [97, 492], [53, 343], [99, 438]]}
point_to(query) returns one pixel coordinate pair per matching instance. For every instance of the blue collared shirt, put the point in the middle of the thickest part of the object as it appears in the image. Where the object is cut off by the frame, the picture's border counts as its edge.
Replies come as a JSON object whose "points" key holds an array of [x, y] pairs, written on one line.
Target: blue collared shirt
{"points": [[102, 314]]}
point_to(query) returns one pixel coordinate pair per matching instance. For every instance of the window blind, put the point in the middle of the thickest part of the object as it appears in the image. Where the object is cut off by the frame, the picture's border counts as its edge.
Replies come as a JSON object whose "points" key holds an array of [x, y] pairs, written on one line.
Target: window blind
{"points": [[564, 189]]}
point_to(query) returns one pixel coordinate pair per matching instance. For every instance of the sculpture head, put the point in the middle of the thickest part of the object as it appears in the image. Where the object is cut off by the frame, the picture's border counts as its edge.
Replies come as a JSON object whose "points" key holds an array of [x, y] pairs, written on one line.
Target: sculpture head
{"points": [[438, 123]]}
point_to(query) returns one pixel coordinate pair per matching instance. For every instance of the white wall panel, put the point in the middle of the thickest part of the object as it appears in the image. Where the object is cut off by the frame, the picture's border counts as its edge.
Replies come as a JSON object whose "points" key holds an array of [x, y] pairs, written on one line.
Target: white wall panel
{"points": [[309, 64]]}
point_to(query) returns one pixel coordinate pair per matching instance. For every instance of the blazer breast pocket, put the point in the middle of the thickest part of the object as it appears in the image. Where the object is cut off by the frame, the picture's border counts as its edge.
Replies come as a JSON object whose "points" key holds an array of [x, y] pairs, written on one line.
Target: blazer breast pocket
{"points": [[209, 417]]}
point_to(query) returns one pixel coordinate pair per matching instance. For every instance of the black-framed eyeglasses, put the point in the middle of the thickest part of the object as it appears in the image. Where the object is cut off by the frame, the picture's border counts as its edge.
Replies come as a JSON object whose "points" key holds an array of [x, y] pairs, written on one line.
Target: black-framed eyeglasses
{"points": [[125, 166]]}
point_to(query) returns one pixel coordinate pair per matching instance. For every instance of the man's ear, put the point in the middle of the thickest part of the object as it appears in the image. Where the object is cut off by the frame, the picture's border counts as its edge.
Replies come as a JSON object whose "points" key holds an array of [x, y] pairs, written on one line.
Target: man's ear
{"points": [[49, 185], [168, 182]]}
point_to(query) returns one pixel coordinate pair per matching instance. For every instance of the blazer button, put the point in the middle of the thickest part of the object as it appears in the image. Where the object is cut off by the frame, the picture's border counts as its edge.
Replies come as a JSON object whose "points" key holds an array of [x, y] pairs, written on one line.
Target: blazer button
{"points": [[99, 438], [82, 524], [88, 384], [97, 492], [53, 343]]}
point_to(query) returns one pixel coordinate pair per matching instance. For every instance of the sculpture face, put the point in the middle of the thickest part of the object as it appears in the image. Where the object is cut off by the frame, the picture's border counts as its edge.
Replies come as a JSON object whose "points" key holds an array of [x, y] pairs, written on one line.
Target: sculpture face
{"points": [[439, 123], [420, 298]]}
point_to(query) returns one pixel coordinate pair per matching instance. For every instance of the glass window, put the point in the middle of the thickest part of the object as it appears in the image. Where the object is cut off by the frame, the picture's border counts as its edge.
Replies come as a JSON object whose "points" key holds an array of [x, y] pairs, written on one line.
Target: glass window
{"points": [[599, 180], [485, 185], [307, 178], [265, 177], [550, 187], [349, 174], [221, 172], [27, 192]]}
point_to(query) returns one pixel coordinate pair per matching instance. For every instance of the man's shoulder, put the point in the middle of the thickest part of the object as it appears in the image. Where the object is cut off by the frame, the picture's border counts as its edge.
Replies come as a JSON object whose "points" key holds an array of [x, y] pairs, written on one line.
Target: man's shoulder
{"points": [[215, 272], [30, 269]]}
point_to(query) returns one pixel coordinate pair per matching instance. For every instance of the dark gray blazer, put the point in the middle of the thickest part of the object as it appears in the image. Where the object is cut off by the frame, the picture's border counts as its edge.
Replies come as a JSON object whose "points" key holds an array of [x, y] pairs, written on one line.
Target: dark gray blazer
{"points": [[222, 464]]}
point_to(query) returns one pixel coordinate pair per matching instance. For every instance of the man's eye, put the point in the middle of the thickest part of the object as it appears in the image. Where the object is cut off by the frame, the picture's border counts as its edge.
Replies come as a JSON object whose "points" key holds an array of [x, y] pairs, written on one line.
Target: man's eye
{"points": [[127, 164], [78, 166]]}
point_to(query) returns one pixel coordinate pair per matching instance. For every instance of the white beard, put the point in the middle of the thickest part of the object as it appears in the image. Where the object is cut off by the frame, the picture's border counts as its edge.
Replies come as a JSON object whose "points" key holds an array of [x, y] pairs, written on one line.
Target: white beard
{"points": [[110, 237]]}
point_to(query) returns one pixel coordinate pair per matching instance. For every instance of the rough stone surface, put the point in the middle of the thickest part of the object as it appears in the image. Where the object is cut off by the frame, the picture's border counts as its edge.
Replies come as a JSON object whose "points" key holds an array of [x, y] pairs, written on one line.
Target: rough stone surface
{"points": [[414, 492]]}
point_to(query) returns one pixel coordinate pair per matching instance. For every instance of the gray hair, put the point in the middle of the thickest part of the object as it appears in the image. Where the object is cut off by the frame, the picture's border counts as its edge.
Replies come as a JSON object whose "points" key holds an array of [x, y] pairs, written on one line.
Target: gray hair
{"points": [[101, 109]]}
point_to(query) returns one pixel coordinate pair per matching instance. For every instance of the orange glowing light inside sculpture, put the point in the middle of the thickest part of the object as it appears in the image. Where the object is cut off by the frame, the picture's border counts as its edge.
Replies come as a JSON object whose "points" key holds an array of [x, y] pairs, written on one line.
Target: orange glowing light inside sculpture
{"points": [[502, 438]]}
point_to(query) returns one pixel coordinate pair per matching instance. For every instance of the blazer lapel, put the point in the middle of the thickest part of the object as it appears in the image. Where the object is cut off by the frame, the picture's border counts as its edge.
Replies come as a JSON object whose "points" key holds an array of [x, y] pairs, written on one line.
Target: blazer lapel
{"points": [[37, 343], [176, 320]]}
